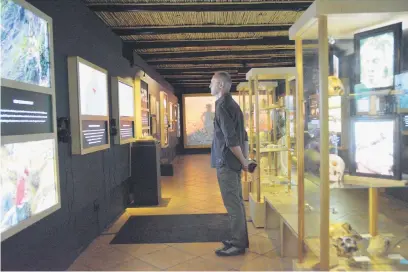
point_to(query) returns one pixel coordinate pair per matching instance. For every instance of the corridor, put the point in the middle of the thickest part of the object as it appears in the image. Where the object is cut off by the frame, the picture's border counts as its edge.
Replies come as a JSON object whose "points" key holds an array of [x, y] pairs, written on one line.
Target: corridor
{"points": [[192, 190]]}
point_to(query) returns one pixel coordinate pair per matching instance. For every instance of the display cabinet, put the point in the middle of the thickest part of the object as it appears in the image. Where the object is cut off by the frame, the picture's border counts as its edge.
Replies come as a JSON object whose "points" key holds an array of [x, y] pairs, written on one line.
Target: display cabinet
{"points": [[272, 122], [171, 117], [243, 97], [142, 109], [344, 222], [164, 119], [154, 113], [178, 121]]}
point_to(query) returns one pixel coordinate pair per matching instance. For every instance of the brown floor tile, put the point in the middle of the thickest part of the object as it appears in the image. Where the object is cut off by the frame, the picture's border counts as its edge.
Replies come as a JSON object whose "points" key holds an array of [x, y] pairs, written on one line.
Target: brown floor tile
{"points": [[261, 245], [197, 264], [272, 254], [137, 250], [166, 258], [78, 266], [135, 265], [262, 263], [252, 230], [196, 249], [104, 259], [234, 262]]}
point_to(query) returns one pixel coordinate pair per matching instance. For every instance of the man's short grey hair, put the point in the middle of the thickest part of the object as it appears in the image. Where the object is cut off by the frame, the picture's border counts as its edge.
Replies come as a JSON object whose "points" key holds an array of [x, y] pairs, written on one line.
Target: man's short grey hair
{"points": [[225, 77]]}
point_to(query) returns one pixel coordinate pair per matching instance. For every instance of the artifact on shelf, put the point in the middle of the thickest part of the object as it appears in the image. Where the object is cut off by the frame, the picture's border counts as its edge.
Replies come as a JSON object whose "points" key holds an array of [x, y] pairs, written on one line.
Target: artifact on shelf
{"points": [[379, 246], [336, 87], [336, 171], [344, 239]]}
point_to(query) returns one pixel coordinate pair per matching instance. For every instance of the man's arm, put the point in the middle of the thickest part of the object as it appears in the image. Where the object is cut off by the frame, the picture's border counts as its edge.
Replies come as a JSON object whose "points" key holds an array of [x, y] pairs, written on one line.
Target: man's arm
{"points": [[230, 135]]}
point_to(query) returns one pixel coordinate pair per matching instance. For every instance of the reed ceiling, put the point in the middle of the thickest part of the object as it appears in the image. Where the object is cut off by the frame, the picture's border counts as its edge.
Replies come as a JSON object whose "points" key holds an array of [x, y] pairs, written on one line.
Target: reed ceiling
{"points": [[188, 40]]}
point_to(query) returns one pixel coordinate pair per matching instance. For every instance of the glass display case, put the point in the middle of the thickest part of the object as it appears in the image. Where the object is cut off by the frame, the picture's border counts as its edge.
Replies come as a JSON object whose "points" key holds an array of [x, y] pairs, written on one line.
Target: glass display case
{"points": [[145, 109], [353, 139], [164, 119], [273, 117], [243, 97]]}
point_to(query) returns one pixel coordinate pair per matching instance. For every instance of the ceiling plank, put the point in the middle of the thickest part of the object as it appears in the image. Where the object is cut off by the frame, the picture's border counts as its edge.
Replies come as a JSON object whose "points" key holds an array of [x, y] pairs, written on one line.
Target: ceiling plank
{"points": [[280, 40], [198, 75], [226, 61], [202, 7], [153, 30], [224, 66], [157, 56]]}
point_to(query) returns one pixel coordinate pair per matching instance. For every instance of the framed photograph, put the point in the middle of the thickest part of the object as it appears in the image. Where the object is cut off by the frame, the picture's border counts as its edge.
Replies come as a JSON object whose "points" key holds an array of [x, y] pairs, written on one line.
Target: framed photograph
{"points": [[27, 52], [123, 109], [89, 108], [401, 85], [375, 147], [378, 57], [198, 119]]}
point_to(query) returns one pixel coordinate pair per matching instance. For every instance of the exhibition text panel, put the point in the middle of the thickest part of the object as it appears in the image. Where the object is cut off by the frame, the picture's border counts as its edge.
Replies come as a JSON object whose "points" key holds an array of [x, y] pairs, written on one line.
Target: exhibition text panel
{"points": [[24, 112], [94, 133]]}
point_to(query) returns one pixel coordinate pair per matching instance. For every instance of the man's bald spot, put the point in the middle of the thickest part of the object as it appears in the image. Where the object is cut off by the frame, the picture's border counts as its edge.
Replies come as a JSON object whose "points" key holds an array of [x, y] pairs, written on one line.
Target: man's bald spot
{"points": [[225, 78]]}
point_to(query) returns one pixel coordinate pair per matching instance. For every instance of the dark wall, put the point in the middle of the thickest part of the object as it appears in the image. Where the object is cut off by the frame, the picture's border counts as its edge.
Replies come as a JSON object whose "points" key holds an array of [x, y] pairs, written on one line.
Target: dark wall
{"points": [[54, 242]]}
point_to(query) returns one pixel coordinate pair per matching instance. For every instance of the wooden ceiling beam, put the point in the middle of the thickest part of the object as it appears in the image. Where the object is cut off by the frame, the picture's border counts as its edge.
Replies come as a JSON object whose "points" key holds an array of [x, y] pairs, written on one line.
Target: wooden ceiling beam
{"points": [[224, 61], [155, 30], [202, 7], [280, 40], [228, 66], [158, 56], [198, 76]]}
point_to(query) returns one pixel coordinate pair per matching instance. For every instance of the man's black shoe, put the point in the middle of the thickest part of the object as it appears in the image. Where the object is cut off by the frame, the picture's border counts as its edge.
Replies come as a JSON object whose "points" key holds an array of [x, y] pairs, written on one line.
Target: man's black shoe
{"points": [[225, 247], [227, 243], [230, 251]]}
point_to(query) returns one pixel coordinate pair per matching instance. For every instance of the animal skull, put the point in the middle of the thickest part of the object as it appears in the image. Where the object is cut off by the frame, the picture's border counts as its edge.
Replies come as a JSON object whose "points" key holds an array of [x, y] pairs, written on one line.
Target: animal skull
{"points": [[344, 239], [336, 87], [346, 245], [336, 170]]}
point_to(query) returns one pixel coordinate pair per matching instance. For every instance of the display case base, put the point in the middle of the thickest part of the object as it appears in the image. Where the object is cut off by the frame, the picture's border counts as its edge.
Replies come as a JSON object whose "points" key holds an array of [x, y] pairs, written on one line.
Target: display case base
{"points": [[257, 211]]}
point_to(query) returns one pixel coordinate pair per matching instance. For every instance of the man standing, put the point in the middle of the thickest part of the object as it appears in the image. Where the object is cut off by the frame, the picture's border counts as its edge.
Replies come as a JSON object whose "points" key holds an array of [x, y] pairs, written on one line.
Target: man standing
{"points": [[227, 157]]}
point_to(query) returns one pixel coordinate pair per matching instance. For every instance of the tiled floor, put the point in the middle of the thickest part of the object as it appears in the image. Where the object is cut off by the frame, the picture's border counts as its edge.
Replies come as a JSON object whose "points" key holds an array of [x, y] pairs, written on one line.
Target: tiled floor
{"points": [[192, 189]]}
